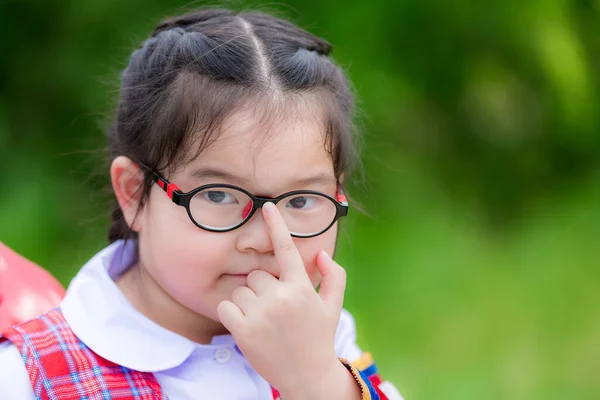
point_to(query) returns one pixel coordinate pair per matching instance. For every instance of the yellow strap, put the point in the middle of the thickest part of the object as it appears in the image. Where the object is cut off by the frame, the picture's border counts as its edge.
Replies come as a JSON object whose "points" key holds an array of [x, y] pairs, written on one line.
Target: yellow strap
{"points": [[364, 361]]}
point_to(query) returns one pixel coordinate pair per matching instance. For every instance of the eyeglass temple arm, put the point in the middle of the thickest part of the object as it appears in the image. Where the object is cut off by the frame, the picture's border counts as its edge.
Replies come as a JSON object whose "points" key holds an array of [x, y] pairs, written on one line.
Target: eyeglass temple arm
{"points": [[341, 196], [172, 189]]}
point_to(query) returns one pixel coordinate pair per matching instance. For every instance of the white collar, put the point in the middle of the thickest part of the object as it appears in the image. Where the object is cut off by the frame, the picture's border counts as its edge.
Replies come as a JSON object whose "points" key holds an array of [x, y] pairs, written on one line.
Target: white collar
{"points": [[102, 317]]}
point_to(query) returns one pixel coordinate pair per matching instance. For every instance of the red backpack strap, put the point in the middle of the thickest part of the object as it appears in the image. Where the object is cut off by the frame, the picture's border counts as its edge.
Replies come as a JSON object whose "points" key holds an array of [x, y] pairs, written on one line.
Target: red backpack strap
{"points": [[60, 366], [275, 393]]}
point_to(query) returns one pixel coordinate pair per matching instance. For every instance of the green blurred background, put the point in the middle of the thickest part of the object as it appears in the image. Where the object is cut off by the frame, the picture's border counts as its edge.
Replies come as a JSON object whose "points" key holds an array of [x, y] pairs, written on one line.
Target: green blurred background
{"points": [[475, 276]]}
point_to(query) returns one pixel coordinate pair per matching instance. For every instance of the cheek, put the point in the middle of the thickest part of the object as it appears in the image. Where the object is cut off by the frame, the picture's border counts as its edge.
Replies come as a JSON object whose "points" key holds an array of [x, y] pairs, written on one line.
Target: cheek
{"points": [[182, 257], [310, 248]]}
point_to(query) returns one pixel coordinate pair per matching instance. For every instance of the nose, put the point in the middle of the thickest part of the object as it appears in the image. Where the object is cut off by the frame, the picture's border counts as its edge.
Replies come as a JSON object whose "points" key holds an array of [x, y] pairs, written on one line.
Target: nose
{"points": [[254, 235]]}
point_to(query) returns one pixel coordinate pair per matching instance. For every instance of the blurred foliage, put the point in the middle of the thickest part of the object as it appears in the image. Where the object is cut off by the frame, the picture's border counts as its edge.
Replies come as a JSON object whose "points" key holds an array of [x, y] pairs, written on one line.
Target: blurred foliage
{"points": [[476, 275]]}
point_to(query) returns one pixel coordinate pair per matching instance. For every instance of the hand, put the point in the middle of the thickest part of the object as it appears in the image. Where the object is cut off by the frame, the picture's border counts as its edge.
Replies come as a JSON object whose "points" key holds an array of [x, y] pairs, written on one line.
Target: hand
{"points": [[284, 328]]}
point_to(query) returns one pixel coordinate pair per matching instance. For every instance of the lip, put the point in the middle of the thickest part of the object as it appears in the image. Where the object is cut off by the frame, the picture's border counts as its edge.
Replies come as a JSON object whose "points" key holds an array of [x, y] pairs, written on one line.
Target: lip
{"points": [[237, 275], [245, 275]]}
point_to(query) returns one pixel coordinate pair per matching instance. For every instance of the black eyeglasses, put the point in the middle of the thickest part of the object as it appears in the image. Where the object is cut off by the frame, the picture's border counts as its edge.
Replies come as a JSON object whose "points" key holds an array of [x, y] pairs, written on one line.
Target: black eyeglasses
{"points": [[221, 207]]}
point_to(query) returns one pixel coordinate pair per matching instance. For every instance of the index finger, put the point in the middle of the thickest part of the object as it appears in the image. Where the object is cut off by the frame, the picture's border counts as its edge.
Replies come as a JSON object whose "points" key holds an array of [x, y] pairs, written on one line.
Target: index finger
{"points": [[286, 253]]}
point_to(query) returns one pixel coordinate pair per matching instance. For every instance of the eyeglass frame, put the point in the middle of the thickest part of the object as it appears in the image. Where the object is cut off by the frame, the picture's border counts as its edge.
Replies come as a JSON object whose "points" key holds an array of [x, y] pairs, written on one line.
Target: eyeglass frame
{"points": [[182, 199]]}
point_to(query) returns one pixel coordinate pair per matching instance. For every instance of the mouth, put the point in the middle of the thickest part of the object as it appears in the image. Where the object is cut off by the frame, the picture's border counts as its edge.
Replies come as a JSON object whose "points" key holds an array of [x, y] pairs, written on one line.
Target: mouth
{"points": [[236, 276], [244, 275]]}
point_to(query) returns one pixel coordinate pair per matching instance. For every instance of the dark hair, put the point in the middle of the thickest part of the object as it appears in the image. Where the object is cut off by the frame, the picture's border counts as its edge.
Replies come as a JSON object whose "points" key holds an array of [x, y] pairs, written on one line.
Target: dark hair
{"points": [[199, 68]]}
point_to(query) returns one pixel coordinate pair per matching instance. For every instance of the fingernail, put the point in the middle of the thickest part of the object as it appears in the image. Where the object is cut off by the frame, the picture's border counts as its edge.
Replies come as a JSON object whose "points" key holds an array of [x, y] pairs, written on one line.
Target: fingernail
{"points": [[268, 207], [326, 255]]}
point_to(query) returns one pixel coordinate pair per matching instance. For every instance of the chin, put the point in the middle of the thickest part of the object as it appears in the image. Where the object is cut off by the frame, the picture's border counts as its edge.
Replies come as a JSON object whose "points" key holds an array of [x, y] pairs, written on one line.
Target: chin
{"points": [[205, 313]]}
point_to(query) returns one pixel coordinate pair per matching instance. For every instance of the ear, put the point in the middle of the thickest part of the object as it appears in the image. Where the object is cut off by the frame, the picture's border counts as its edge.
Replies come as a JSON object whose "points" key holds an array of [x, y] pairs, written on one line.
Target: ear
{"points": [[127, 181]]}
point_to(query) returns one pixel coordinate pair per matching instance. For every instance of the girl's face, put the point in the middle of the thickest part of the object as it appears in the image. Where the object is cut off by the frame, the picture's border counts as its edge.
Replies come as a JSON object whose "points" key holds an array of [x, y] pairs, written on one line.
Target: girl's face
{"points": [[199, 269]]}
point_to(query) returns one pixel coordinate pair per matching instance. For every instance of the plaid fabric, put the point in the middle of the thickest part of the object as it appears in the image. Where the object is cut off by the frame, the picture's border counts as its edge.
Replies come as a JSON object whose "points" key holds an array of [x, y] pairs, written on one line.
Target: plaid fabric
{"points": [[61, 367]]}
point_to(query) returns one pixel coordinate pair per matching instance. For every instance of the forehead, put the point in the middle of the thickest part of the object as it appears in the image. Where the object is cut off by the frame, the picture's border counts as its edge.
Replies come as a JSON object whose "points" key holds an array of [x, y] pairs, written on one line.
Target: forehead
{"points": [[269, 151]]}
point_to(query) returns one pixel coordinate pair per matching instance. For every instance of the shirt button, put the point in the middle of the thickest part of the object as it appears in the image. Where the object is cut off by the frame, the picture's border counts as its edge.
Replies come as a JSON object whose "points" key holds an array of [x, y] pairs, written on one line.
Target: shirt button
{"points": [[223, 355]]}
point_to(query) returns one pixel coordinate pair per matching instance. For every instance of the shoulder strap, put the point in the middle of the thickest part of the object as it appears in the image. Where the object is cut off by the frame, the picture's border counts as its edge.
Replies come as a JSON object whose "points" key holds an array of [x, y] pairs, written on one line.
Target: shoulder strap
{"points": [[60, 366]]}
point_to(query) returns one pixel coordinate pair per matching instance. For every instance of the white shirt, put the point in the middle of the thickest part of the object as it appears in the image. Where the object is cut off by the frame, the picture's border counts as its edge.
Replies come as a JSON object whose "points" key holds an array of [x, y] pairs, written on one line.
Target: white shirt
{"points": [[101, 317]]}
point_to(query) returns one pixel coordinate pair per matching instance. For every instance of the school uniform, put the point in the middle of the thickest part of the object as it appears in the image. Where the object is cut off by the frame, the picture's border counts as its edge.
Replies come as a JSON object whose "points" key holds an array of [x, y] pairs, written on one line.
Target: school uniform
{"points": [[96, 345]]}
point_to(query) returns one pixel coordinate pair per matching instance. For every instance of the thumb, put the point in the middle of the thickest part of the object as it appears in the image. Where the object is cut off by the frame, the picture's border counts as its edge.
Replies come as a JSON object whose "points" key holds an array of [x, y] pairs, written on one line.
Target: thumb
{"points": [[333, 283]]}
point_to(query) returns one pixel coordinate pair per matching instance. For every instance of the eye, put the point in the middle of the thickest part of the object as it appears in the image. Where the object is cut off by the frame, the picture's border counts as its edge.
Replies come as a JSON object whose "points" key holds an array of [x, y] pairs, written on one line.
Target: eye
{"points": [[301, 203], [219, 197]]}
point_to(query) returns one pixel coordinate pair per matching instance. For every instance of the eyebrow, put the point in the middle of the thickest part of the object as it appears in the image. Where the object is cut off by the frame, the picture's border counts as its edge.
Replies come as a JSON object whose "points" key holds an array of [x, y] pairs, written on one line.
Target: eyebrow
{"points": [[321, 178], [215, 173], [204, 173]]}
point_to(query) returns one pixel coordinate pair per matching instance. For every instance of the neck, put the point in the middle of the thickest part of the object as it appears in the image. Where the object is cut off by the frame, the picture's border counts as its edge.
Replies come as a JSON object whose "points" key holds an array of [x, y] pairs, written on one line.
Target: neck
{"points": [[144, 293]]}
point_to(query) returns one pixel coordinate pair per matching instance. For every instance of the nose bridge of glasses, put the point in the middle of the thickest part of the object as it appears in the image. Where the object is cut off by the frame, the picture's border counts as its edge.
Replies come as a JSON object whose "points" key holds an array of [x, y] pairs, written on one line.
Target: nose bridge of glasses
{"points": [[254, 203], [257, 202]]}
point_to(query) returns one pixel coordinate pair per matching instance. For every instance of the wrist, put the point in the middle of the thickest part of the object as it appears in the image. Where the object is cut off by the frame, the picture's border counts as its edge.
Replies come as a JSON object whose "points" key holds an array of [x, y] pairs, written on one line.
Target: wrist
{"points": [[337, 381], [360, 384]]}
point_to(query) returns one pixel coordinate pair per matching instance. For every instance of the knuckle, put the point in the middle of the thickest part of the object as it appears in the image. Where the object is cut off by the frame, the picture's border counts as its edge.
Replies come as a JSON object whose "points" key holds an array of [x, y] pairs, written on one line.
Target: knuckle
{"points": [[278, 293], [252, 327], [258, 278], [253, 276], [288, 246], [281, 297], [221, 307], [256, 275], [237, 293]]}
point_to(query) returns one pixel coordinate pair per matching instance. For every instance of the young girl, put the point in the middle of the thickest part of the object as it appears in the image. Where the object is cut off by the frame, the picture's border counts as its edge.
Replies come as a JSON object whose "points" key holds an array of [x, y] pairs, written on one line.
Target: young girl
{"points": [[228, 154]]}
